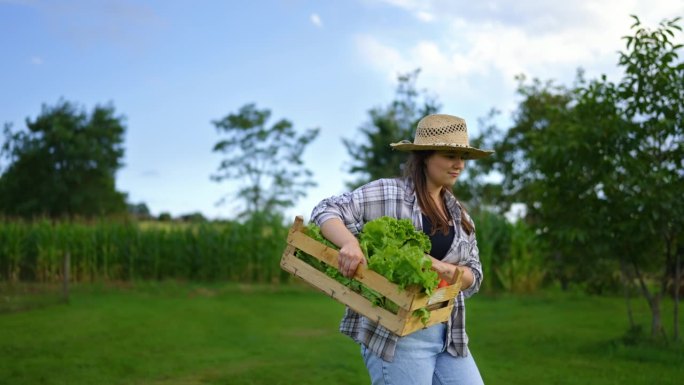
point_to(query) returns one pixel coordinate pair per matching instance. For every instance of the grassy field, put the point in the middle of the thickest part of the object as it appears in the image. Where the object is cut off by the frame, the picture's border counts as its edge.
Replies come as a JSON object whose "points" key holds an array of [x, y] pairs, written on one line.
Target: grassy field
{"points": [[173, 333]]}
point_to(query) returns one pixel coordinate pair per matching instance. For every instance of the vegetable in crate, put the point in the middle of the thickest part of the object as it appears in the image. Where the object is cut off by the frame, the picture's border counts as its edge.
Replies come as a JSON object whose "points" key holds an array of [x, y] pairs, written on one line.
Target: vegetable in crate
{"points": [[374, 297], [395, 250]]}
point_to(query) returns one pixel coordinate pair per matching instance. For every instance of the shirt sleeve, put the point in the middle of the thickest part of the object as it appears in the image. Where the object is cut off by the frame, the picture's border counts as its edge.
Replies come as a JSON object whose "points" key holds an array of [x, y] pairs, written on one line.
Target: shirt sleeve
{"points": [[473, 262], [346, 207], [355, 208]]}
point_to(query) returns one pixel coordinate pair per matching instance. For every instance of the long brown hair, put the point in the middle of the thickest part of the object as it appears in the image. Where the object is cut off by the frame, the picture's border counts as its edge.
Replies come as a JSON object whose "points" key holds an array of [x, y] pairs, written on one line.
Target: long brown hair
{"points": [[415, 169]]}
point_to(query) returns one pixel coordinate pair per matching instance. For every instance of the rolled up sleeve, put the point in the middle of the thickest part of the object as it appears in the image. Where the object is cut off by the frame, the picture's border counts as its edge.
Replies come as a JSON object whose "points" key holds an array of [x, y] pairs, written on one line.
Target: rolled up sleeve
{"points": [[370, 201], [473, 262], [345, 207]]}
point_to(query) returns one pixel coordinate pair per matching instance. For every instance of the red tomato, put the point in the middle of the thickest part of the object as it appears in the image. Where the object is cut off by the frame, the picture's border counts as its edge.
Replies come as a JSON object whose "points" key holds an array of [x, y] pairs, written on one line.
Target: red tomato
{"points": [[442, 283]]}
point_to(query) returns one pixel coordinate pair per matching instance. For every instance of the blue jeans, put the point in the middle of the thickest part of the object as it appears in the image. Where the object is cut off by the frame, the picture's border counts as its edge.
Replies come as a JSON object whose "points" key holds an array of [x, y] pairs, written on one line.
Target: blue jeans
{"points": [[421, 359]]}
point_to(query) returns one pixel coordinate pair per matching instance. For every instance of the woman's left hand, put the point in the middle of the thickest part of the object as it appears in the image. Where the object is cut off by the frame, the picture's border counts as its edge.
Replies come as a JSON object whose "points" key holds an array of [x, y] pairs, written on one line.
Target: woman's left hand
{"points": [[448, 272], [445, 271]]}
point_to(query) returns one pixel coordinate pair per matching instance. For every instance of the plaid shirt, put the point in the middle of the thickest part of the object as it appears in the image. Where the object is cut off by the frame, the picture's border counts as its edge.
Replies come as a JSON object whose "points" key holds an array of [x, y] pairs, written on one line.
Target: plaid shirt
{"points": [[397, 198]]}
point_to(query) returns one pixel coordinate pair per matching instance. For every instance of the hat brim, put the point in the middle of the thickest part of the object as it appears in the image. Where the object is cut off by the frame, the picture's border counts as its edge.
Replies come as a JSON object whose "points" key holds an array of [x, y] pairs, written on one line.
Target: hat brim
{"points": [[469, 152]]}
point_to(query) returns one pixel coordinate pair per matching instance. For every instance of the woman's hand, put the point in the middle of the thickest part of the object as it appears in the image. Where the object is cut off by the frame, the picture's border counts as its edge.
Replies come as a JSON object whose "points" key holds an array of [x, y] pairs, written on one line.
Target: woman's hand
{"points": [[350, 252], [447, 272], [350, 258]]}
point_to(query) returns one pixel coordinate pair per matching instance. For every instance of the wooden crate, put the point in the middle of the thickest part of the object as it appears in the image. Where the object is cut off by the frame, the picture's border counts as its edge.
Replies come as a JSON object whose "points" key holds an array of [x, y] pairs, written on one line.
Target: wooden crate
{"points": [[440, 303]]}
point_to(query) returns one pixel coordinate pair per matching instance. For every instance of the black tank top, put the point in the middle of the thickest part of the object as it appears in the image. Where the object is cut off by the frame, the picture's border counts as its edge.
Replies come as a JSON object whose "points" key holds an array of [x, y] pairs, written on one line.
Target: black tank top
{"points": [[440, 242]]}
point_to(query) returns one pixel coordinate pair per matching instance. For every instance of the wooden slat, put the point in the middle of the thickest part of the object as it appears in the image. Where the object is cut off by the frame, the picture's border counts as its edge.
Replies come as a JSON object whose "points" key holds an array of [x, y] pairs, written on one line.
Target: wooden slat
{"points": [[340, 292], [289, 251], [436, 316], [372, 279], [440, 295]]}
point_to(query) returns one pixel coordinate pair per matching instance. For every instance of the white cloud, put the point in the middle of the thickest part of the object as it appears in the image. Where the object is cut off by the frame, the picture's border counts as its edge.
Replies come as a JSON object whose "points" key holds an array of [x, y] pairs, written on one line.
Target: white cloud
{"points": [[472, 52], [542, 14], [422, 10], [425, 16], [381, 56], [406, 4], [316, 20]]}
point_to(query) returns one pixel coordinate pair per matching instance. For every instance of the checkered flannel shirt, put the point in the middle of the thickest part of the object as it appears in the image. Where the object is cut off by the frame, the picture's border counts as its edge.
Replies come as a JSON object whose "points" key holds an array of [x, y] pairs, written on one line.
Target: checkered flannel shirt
{"points": [[397, 198]]}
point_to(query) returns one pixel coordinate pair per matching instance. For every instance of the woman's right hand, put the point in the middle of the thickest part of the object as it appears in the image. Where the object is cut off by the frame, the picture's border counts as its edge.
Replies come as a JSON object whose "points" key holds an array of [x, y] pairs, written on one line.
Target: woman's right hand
{"points": [[350, 252], [350, 258]]}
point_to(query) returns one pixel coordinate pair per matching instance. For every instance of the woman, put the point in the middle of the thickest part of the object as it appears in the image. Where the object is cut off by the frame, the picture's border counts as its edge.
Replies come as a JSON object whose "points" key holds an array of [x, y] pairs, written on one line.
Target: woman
{"points": [[438, 354]]}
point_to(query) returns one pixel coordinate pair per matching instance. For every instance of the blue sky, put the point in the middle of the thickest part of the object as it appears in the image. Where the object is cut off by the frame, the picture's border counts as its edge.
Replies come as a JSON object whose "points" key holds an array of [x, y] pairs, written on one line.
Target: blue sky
{"points": [[172, 67]]}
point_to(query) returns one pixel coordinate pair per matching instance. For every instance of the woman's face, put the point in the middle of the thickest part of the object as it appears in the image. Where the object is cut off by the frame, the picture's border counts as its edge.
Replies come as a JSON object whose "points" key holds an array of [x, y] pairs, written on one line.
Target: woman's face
{"points": [[442, 168]]}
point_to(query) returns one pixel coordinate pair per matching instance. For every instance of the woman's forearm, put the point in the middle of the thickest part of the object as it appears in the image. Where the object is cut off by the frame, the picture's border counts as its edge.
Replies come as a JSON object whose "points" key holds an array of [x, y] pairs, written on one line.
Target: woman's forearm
{"points": [[350, 255], [446, 271], [336, 232]]}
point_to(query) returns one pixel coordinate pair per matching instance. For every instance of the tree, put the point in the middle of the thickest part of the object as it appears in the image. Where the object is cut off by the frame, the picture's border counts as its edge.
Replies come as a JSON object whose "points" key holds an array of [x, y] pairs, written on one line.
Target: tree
{"points": [[194, 217], [543, 158], [372, 157], [652, 96], [64, 164], [600, 167], [267, 160], [139, 210]]}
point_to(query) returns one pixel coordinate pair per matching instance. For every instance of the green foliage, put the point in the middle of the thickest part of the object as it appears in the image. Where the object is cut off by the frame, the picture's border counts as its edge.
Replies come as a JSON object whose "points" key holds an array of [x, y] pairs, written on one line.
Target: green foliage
{"points": [[646, 154], [523, 271], [372, 157], [599, 166], [108, 250], [64, 164], [493, 233], [396, 250], [267, 160], [512, 254], [139, 210], [385, 232]]}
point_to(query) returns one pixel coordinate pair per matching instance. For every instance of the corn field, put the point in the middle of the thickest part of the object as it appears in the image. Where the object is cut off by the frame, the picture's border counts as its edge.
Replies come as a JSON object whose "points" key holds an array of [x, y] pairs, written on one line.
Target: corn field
{"points": [[108, 250], [231, 251], [511, 254]]}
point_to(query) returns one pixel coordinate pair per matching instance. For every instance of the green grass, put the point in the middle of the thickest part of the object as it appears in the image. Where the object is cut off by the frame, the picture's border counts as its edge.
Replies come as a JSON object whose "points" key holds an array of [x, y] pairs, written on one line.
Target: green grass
{"points": [[566, 339], [174, 333]]}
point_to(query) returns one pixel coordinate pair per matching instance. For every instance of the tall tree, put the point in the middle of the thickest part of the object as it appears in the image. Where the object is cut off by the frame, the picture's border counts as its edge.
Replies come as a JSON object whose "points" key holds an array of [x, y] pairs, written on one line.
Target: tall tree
{"points": [[372, 157], [539, 157], [600, 166], [652, 95], [267, 160], [64, 164]]}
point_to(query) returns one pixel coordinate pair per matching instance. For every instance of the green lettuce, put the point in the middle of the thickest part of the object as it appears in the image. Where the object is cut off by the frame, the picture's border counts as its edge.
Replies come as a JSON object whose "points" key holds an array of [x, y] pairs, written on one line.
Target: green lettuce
{"points": [[396, 250], [393, 249]]}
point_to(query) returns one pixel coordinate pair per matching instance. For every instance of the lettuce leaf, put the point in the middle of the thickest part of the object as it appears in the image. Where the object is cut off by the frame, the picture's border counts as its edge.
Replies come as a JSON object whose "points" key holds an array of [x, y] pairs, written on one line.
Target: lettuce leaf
{"points": [[393, 249], [396, 250]]}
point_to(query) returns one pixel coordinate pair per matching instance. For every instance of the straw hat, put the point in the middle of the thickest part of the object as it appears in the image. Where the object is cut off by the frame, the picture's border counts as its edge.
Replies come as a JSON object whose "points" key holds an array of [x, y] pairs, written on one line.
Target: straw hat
{"points": [[442, 132]]}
